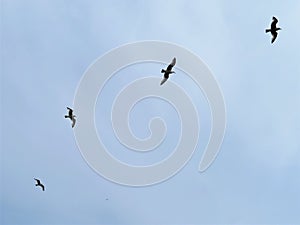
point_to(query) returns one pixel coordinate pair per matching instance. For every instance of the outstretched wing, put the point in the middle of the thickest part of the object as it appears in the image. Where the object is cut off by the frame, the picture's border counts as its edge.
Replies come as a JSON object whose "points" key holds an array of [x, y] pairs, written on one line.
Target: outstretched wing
{"points": [[43, 187], [171, 64], [37, 180], [274, 36], [273, 24], [73, 121], [70, 110], [163, 81]]}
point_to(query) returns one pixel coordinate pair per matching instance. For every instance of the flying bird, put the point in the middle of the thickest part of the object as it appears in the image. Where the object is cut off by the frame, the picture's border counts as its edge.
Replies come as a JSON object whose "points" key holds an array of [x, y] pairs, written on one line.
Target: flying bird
{"points": [[168, 71], [38, 183], [71, 116], [273, 29]]}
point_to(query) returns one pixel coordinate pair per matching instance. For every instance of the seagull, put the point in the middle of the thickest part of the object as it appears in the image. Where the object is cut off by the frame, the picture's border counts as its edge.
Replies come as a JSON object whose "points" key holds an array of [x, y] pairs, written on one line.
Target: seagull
{"points": [[273, 29], [38, 183], [71, 116], [168, 71]]}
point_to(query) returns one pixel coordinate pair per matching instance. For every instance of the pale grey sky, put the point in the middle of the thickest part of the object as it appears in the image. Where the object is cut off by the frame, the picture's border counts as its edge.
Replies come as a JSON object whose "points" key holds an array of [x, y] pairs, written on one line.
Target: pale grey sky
{"points": [[47, 45]]}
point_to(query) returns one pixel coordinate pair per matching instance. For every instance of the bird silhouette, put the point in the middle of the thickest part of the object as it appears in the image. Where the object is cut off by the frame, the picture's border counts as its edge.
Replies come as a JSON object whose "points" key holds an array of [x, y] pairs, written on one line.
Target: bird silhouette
{"points": [[273, 29], [168, 71], [71, 116], [38, 183]]}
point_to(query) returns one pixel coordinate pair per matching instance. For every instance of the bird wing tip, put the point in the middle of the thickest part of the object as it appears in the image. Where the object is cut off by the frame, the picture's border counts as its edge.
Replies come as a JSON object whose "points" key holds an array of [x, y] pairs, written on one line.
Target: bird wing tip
{"points": [[173, 61]]}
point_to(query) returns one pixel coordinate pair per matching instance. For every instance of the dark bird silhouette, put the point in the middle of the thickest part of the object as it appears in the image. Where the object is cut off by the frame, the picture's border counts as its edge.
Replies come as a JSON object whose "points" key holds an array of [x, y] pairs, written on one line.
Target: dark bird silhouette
{"points": [[273, 29], [168, 71], [38, 183], [71, 116]]}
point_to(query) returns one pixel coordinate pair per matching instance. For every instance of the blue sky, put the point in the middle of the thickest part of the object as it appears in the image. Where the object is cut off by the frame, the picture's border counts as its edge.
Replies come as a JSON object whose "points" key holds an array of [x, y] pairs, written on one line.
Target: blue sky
{"points": [[47, 45]]}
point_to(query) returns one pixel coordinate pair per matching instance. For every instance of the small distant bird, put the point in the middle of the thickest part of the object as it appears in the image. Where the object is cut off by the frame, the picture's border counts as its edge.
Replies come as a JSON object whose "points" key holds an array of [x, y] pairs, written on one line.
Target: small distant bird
{"points": [[38, 183], [273, 29], [168, 71], [71, 116]]}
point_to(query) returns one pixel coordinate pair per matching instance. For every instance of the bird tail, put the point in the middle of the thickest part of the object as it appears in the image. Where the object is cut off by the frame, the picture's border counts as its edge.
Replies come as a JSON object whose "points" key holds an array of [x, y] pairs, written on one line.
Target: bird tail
{"points": [[268, 30], [163, 71]]}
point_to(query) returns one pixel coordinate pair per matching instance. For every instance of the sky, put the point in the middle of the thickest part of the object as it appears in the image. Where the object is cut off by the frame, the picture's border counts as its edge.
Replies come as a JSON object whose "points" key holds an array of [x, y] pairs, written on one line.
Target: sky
{"points": [[46, 46]]}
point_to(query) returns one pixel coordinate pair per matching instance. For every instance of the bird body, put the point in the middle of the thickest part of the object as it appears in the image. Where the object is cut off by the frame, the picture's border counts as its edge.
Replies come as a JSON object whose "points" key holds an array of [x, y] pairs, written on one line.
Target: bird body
{"points": [[273, 29], [168, 71], [38, 183], [71, 116]]}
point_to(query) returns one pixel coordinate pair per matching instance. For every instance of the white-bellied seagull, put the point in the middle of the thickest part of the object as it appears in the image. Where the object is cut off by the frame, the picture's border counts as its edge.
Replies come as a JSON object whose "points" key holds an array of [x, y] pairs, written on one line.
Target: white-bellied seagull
{"points": [[38, 183], [273, 29], [71, 116], [168, 71]]}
